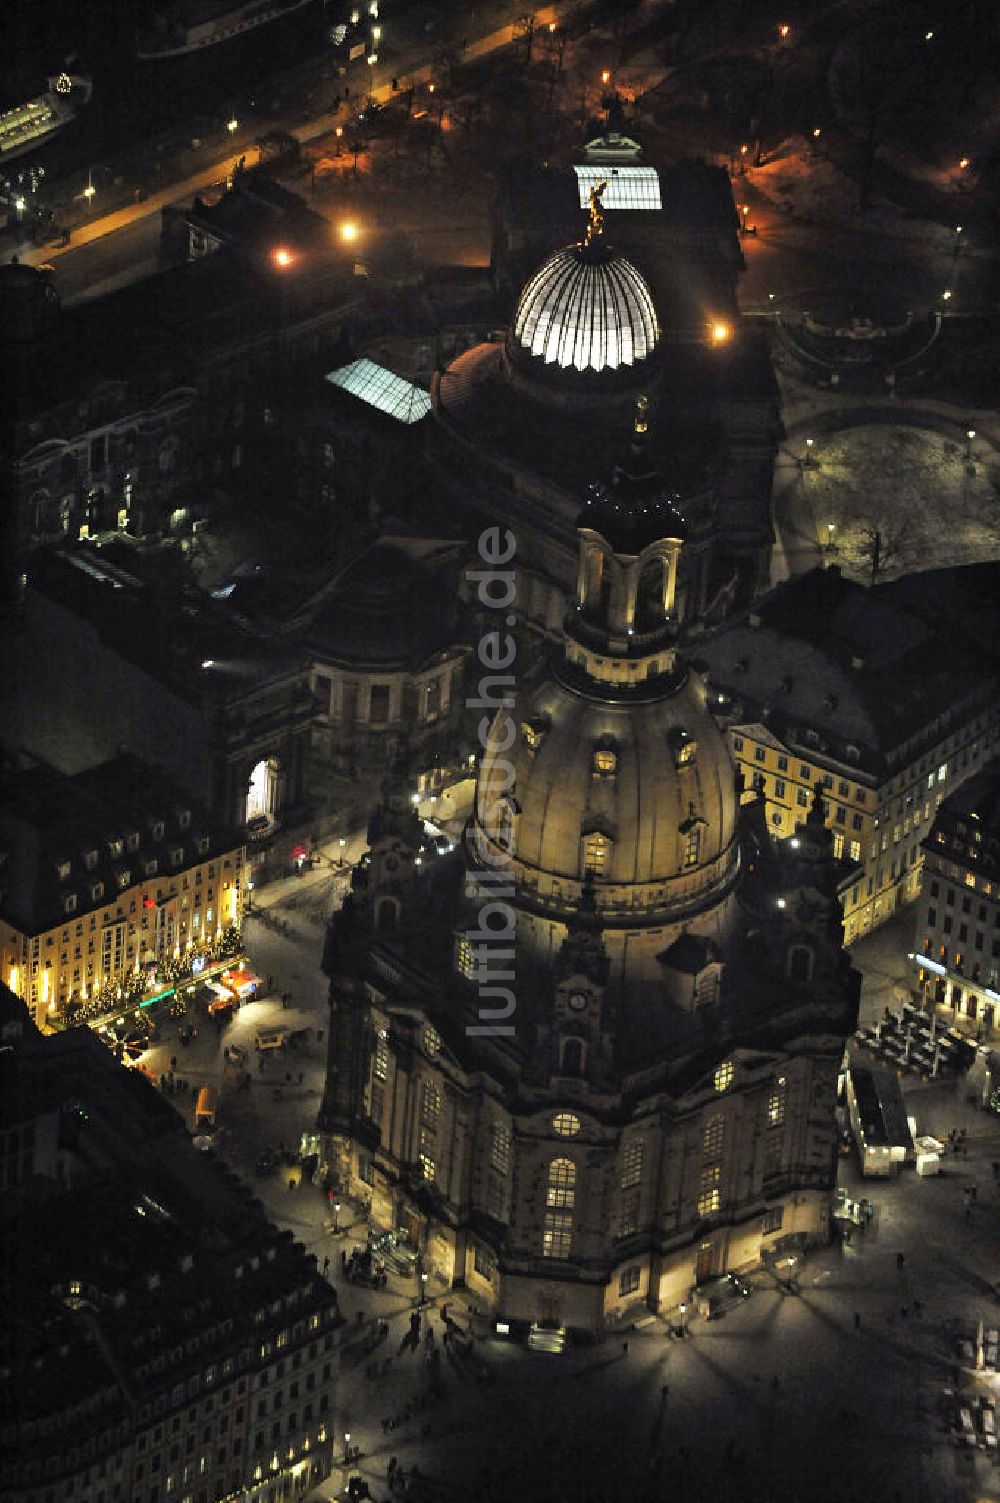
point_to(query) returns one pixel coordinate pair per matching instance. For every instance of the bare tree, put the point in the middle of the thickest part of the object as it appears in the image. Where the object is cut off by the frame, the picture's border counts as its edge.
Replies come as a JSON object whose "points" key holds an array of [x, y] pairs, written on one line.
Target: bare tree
{"points": [[883, 543], [876, 70]]}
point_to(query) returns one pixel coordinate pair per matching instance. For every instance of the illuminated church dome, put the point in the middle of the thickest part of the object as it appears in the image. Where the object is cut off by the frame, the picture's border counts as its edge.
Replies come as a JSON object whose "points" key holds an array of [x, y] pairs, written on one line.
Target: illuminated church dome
{"points": [[586, 309]]}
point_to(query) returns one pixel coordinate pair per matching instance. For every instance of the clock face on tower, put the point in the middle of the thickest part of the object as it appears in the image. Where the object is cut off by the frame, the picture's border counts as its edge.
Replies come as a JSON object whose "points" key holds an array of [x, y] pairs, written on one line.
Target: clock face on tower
{"points": [[578, 1001]]}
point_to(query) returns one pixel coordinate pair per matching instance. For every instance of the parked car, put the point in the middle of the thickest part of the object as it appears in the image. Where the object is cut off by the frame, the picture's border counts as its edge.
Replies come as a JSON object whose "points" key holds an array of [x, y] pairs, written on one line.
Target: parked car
{"points": [[714, 1297]]}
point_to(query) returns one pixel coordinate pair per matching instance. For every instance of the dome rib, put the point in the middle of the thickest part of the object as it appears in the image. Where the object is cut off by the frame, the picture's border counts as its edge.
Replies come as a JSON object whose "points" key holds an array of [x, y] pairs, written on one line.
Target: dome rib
{"points": [[586, 312]]}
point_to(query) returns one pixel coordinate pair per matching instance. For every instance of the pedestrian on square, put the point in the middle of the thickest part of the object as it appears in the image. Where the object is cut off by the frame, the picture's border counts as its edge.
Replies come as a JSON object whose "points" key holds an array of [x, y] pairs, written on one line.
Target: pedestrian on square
{"points": [[857, 1320], [624, 1348], [899, 1261], [343, 1259], [326, 1265], [360, 1317]]}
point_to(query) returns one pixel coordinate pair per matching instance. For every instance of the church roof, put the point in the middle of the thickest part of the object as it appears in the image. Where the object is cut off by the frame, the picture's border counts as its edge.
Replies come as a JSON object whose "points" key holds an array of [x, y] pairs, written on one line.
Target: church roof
{"points": [[386, 611]]}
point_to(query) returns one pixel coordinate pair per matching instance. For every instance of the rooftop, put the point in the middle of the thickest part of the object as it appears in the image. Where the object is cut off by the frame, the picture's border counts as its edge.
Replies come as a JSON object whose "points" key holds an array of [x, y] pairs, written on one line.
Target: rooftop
{"points": [[829, 654]]}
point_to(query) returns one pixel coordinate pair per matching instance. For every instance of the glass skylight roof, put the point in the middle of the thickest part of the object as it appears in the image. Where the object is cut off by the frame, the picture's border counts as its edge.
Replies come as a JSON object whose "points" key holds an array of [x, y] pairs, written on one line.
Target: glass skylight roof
{"points": [[628, 187], [586, 312], [383, 389]]}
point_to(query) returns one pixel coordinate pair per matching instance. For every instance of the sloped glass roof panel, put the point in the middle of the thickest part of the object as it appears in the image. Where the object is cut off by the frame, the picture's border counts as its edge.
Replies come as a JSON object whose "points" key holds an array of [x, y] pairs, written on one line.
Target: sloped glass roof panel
{"points": [[383, 389], [628, 187]]}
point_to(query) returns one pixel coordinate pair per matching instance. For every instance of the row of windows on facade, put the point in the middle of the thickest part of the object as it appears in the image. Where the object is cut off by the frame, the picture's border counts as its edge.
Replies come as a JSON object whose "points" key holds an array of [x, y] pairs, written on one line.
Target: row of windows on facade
{"points": [[562, 1171], [811, 776], [116, 936], [124, 878], [379, 708], [560, 1198], [100, 452], [216, 1427], [605, 756], [117, 847], [596, 850]]}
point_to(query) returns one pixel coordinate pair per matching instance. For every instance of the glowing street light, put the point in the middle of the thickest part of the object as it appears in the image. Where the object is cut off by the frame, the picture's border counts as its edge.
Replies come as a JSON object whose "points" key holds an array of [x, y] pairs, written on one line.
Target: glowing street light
{"points": [[282, 257], [784, 32], [719, 332], [606, 77], [817, 133], [809, 461], [970, 435], [232, 125], [963, 163], [348, 231], [946, 295], [342, 843]]}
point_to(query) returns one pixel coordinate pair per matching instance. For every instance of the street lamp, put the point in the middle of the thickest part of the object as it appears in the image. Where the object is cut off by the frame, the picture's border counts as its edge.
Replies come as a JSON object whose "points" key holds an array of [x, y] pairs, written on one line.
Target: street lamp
{"points": [[336, 1216], [347, 1447], [282, 257], [719, 332], [784, 31], [808, 460], [744, 210], [963, 163], [342, 843], [970, 434], [606, 76], [339, 133], [249, 897], [348, 232], [232, 125], [946, 295], [423, 1288]]}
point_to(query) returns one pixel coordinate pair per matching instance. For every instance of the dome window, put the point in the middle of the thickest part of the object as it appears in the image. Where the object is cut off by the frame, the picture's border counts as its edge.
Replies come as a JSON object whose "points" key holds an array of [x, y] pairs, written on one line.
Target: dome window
{"points": [[596, 853], [692, 846], [605, 763], [683, 746], [533, 732]]}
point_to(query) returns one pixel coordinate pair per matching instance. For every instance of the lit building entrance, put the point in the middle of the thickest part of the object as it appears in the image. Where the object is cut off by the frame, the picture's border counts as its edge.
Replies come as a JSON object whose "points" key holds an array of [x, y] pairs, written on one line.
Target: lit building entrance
{"points": [[262, 794]]}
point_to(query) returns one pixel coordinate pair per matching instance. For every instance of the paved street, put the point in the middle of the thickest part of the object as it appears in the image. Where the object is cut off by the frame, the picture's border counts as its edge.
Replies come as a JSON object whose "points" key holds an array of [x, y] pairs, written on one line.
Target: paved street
{"points": [[750, 1396]]}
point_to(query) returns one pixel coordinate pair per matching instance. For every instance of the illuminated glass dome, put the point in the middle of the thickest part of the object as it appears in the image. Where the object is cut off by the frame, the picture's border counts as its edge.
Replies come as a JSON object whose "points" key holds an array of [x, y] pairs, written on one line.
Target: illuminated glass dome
{"points": [[586, 309]]}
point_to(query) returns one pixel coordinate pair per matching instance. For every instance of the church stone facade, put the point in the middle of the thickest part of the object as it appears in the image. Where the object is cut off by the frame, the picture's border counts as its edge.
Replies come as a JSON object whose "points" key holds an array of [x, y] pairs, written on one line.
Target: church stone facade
{"points": [[591, 1059]]}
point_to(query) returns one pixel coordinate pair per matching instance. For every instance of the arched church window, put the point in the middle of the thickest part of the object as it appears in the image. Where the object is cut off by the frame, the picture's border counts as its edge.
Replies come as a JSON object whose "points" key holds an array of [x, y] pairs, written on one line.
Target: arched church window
{"points": [[387, 915], [573, 1055], [561, 1188], [692, 846], [632, 1162], [800, 964], [723, 1077]]}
